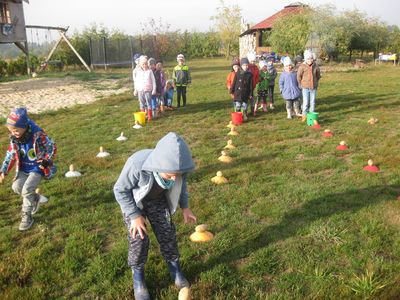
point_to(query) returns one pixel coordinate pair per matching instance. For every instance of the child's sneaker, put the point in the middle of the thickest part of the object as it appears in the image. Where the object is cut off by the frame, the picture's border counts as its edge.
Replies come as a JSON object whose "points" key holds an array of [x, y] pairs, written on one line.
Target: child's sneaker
{"points": [[271, 106], [26, 221], [36, 205], [43, 199]]}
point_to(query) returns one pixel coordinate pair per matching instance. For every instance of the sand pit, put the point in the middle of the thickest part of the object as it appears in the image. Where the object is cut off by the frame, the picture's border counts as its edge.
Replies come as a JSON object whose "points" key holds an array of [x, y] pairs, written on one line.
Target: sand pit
{"points": [[43, 94]]}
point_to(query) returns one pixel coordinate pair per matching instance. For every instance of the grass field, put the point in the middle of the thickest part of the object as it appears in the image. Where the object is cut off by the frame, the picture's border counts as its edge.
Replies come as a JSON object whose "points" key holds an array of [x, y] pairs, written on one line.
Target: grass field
{"points": [[298, 219]]}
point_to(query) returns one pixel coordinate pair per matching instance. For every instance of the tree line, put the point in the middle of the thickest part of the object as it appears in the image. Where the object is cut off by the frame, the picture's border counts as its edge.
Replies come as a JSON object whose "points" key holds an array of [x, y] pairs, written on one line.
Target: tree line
{"points": [[347, 33]]}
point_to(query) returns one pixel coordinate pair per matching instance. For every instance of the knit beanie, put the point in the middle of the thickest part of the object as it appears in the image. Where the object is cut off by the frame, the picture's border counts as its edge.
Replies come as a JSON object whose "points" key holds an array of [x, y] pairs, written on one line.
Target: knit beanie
{"points": [[251, 56], [262, 64], [151, 61], [235, 62], [308, 54], [287, 61], [180, 57], [244, 61], [142, 59], [18, 118]]}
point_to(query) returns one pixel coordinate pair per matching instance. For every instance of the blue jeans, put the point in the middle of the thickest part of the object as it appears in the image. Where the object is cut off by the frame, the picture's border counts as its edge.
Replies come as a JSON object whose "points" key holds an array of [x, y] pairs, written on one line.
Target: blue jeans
{"points": [[309, 96], [144, 100], [154, 102]]}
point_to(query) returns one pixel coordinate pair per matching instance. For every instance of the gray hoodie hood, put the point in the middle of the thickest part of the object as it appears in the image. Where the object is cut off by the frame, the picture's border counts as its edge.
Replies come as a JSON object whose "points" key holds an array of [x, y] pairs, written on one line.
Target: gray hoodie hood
{"points": [[171, 155]]}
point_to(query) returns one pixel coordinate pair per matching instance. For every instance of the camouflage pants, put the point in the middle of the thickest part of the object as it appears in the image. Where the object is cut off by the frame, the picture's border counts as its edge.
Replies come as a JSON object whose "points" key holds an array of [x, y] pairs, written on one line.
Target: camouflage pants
{"points": [[158, 214]]}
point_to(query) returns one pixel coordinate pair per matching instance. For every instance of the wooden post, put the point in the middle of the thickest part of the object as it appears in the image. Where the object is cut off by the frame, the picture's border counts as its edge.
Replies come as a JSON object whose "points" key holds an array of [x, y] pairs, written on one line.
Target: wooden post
{"points": [[131, 44], [53, 49], [105, 52], [24, 48], [73, 49], [28, 61], [91, 53]]}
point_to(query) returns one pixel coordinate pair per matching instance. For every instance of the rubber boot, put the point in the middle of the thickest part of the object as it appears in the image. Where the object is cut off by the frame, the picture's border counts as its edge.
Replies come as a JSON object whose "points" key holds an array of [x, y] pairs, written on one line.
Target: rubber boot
{"points": [[176, 274], [149, 114], [289, 113], [139, 285]]}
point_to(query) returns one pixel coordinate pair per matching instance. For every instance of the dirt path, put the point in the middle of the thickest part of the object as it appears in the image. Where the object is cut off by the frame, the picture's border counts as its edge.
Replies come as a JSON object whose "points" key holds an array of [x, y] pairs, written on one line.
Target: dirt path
{"points": [[43, 94]]}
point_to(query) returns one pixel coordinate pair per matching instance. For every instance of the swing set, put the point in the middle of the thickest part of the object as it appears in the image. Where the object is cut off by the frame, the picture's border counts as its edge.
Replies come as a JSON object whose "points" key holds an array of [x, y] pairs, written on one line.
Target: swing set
{"points": [[62, 32], [13, 30]]}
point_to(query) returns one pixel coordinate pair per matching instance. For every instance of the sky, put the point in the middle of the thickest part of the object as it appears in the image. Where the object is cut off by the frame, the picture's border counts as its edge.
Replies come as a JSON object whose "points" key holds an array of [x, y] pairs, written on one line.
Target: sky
{"points": [[129, 15]]}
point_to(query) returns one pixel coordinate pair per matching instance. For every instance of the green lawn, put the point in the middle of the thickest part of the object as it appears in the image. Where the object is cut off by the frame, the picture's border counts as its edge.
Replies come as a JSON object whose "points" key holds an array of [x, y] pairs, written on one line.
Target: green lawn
{"points": [[298, 219]]}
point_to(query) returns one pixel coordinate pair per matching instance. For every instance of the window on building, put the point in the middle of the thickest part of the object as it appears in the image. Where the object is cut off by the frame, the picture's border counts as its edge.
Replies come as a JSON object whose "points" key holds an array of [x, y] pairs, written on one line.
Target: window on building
{"points": [[5, 16]]}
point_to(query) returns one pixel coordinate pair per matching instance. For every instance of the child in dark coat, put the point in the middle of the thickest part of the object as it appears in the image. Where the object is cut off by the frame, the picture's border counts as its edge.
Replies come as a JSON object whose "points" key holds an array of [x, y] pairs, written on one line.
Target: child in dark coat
{"points": [[242, 87]]}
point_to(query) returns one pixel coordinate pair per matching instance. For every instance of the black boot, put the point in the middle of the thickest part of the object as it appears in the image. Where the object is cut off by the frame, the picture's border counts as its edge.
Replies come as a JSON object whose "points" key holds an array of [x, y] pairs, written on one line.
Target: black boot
{"points": [[139, 284], [177, 275]]}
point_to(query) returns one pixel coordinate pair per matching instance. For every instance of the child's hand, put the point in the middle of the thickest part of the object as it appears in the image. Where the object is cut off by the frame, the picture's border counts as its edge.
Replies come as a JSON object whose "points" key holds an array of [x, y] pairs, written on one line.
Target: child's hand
{"points": [[138, 225], [232, 96], [43, 163], [1, 177], [188, 216], [135, 93]]}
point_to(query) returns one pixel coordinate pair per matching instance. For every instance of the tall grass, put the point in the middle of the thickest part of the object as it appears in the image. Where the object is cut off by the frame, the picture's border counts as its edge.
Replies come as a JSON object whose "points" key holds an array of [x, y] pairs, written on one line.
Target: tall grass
{"points": [[297, 220]]}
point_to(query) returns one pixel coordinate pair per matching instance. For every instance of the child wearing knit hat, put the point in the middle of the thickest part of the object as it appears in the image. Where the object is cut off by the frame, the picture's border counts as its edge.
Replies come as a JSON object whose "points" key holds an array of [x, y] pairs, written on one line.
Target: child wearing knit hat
{"points": [[289, 88], [242, 88], [308, 76], [271, 75], [262, 87], [256, 73], [182, 78], [145, 86], [229, 79], [32, 152]]}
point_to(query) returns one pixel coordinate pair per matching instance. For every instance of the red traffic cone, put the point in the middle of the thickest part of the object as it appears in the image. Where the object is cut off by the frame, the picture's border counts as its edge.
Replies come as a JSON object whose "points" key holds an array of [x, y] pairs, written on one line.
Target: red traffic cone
{"points": [[371, 167], [327, 133], [342, 146], [316, 125]]}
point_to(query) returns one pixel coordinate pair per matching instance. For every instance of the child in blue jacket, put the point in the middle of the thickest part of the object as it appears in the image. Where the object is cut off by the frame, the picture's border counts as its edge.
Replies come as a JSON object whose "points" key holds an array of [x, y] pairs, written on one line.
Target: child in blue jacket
{"points": [[289, 88], [32, 152], [168, 94]]}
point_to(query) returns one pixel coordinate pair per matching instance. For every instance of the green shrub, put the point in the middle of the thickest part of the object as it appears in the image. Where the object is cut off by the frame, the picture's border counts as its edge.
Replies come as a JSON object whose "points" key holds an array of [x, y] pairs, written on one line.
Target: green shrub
{"points": [[3, 68]]}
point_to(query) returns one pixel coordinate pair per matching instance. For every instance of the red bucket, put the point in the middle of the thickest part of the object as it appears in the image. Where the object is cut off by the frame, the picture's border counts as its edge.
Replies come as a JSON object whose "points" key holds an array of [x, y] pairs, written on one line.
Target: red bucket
{"points": [[237, 118]]}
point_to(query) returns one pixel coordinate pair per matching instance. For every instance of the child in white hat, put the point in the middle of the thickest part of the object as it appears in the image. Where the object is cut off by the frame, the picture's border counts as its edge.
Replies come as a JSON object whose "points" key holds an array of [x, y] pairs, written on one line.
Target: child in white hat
{"points": [[308, 76], [289, 88], [182, 78]]}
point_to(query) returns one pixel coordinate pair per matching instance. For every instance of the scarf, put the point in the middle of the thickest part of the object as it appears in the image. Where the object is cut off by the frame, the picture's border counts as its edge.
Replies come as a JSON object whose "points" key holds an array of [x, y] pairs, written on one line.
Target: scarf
{"points": [[164, 183]]}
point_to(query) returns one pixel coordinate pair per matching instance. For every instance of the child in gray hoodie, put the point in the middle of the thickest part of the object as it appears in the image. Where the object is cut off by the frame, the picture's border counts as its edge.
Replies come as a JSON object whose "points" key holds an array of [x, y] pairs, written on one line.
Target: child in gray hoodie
{"points": [[151, 186]]}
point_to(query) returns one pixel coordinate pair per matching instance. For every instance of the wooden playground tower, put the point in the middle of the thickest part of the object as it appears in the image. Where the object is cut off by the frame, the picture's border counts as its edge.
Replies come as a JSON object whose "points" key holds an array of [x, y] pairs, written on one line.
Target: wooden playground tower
{"points": [[13, 30]]}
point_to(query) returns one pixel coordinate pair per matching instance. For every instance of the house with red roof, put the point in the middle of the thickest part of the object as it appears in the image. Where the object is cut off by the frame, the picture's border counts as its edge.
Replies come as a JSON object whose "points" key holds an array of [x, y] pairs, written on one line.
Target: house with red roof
{"points": [[255, 39]]}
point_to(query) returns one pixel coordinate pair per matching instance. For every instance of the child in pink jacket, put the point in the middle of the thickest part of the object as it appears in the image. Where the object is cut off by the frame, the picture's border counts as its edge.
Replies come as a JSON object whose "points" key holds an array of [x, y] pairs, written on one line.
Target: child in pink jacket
{"points": [[145, 86]]}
